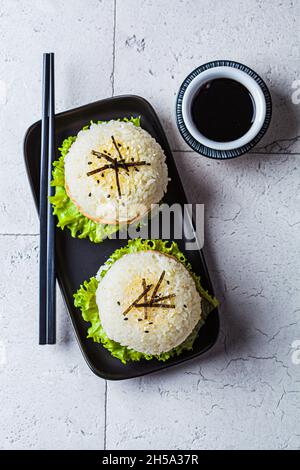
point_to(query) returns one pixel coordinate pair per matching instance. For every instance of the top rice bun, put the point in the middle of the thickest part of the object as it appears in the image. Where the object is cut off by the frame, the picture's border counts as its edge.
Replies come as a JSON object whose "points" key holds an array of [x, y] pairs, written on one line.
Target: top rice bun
{"points": [[164, 328], [97, 196]]}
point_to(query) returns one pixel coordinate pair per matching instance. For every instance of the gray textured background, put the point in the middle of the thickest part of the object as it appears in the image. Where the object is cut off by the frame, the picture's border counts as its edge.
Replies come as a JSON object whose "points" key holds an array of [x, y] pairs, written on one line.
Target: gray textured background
{"points": [[245, 392]]}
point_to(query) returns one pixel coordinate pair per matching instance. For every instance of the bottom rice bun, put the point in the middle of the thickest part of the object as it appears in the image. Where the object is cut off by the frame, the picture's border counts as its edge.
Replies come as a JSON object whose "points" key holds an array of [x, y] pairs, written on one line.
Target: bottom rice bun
{"points": [[148, 301]]}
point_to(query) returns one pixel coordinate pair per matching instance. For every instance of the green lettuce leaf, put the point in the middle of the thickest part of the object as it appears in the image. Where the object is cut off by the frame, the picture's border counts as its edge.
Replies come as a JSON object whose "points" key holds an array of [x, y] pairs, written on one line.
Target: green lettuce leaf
{"points": [[67, 213], [85, 300]]}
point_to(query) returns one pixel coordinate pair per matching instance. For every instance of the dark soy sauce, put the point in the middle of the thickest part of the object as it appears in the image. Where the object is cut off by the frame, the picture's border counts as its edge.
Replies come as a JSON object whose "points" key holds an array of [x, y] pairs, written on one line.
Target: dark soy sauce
{"points": [[223, 110]]}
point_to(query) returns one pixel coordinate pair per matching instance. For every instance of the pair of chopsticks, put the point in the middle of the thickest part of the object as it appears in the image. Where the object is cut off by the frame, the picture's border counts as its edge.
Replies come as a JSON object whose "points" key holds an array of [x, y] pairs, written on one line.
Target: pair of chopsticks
{"points": [[47, 306]]}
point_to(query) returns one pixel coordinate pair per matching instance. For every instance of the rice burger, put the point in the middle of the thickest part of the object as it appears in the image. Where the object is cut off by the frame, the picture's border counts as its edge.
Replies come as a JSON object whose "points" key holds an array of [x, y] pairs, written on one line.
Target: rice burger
{"points": [[145, 302], [113, 172]]}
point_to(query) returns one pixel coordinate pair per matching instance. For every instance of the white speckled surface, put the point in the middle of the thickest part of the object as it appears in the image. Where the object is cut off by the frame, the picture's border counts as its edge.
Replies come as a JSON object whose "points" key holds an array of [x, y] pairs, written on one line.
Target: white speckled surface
{"points": [[245, 393]]}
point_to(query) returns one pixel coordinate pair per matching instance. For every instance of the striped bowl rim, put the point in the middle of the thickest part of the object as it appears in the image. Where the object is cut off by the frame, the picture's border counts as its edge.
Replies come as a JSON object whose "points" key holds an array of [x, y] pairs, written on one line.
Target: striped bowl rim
{"points": [[207, 151]]}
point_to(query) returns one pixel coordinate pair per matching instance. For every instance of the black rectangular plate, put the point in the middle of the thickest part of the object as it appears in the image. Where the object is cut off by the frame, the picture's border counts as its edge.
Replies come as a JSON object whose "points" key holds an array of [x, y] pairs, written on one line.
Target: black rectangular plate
{"points": [[78, 260]]}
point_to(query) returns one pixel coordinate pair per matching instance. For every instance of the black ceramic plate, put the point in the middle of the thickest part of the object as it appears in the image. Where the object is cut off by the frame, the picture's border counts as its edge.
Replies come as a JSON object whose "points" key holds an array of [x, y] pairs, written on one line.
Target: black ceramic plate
{"points": [[78, 260]]}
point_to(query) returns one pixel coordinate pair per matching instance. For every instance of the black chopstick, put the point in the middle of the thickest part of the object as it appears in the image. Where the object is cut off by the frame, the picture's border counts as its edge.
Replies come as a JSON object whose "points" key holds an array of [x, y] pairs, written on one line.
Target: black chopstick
{"points": [[47, 314], [51, 281], [43, 203]]}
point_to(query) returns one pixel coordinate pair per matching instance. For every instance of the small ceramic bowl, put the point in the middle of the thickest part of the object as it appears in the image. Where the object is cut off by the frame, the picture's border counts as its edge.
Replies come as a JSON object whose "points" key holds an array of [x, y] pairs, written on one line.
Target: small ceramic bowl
{"points": [[249, 79]]}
